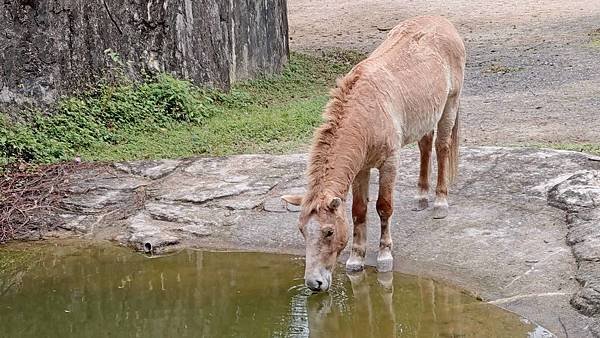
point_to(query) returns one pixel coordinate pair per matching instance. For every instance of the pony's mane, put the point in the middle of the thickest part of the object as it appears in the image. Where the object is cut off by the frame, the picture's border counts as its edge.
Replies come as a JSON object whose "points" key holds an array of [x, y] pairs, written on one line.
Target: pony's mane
{"points": [[325, 137]]}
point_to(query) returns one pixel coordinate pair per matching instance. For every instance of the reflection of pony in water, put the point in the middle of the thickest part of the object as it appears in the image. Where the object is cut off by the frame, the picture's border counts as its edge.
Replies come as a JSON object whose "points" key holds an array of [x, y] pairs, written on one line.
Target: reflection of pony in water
{"points": [[370, 312], [382, 322], [363, 306]]}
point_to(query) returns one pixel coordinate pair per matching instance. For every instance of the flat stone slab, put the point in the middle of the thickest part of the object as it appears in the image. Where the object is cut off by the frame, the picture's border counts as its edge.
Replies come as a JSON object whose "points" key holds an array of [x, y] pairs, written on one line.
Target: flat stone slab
{"points": [[502, 241]]}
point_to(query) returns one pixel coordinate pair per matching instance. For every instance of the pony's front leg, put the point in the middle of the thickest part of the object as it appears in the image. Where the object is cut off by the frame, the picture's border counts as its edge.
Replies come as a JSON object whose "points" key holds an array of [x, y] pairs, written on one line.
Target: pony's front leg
{"points": [[360, 194], [385, 209]]}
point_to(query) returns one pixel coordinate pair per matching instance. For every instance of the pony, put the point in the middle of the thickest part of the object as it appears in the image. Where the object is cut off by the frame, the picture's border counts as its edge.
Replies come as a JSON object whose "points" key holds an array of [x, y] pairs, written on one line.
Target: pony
{"points": [[405, 91]]}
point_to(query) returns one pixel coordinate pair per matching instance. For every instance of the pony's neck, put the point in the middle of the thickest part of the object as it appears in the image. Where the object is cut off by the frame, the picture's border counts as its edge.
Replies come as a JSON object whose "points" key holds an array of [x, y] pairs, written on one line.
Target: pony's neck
{"points": [[335, 164], [339, 149]]}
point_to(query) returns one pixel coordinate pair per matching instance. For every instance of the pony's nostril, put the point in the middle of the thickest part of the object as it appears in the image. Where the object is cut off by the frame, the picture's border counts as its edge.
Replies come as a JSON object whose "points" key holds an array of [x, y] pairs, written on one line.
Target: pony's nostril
{"points": [[314, 284]]}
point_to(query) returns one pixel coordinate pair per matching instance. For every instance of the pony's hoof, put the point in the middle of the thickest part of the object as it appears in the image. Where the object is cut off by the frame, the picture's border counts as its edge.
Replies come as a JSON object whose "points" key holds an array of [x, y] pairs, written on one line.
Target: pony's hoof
{"points": [[440, 211], [422, 204], [354, 265], [385, 262]]}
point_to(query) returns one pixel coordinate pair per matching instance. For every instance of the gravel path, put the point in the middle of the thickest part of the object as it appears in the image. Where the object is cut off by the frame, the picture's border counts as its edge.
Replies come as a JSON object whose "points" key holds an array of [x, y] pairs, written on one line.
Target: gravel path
{"points": [[533, 76]]}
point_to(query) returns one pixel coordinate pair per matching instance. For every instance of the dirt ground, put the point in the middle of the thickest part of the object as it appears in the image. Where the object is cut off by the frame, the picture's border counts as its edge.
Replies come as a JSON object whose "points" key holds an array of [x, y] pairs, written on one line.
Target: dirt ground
{"points": [[533, 74]]}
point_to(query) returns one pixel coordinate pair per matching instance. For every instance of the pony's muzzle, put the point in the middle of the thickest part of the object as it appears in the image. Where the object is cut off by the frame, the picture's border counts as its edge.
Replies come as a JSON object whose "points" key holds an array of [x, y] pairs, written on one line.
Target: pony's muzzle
{"points": [[318, 282], [314, 284]]}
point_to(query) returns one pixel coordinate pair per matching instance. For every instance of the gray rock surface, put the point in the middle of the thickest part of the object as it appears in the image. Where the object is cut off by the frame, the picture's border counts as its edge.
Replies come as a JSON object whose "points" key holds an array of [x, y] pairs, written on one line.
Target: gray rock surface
{"points": [[579, 191], [53, 47], [503, 240], [579, 195]]}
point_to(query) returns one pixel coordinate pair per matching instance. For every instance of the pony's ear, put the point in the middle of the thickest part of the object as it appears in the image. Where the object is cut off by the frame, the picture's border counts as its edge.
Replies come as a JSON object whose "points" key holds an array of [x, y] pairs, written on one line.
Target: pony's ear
{"points": [[335, 203], [292, 199]]}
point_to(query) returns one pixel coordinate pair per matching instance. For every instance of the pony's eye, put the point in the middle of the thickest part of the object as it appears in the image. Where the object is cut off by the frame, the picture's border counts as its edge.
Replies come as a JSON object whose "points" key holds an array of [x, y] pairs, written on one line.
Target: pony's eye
{"points": [[328, 232]]}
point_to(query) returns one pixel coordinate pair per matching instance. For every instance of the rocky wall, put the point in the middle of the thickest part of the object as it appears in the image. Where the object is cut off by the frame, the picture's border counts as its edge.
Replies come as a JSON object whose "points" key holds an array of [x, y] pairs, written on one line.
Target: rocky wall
{"points": [[52, 47]]}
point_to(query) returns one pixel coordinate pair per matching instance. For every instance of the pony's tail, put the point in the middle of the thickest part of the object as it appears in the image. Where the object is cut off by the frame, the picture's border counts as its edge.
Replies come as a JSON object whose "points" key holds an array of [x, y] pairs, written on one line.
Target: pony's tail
{"points": [[453, 151]]}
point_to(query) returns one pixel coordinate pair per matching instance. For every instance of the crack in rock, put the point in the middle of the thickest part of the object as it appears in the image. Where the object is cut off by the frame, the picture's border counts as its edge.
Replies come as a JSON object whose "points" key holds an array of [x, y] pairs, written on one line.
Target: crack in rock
{"points": [[189, 214], [151, 169], [95, 201], [201, 190]]}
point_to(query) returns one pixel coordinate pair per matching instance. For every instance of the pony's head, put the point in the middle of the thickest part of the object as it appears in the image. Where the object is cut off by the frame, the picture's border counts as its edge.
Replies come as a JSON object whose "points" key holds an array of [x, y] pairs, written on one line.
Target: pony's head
{"points": [[324, 226]]}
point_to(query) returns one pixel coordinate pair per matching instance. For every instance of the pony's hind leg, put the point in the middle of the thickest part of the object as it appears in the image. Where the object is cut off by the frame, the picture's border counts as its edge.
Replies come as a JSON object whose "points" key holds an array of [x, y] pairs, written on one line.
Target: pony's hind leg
{"points": [[425, 147], [446, 149], [385, 209], [360, 194]]}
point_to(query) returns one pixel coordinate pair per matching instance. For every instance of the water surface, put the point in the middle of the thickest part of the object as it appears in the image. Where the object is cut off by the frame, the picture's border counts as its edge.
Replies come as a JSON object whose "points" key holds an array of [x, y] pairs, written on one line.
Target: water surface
{"points": [[104, 291]]}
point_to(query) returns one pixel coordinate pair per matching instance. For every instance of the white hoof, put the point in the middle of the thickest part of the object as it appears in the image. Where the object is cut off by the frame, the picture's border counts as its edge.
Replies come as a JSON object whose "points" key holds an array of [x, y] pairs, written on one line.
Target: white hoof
{"points": [[354, 264], [440, 211], [385, 262]]}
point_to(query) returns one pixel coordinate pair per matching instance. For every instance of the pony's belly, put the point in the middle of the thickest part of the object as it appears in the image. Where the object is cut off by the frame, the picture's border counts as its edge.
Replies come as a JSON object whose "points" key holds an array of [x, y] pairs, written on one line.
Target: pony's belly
{"points": [[414, 129], [412, 138]]}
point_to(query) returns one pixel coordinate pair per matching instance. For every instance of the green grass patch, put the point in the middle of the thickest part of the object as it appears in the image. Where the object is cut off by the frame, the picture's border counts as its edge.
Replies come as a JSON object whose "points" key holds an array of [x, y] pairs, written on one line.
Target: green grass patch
{"points": [[277, 129], [166, 118], [595, 37], [590, 148]]}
